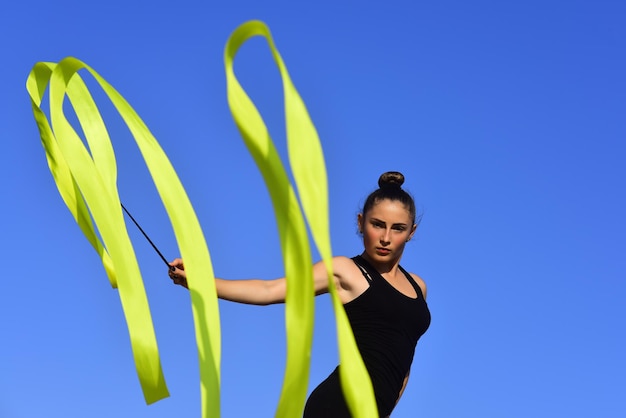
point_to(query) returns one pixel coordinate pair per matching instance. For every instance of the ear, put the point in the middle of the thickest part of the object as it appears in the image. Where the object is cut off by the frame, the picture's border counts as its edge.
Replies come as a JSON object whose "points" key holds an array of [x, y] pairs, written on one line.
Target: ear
{"points": [[359, 220], [413, 229]]}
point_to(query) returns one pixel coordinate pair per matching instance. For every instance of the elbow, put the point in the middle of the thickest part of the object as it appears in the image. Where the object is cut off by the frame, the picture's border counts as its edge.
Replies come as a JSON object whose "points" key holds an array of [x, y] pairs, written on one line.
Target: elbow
{"points": [[273, 292], [254, 292]]}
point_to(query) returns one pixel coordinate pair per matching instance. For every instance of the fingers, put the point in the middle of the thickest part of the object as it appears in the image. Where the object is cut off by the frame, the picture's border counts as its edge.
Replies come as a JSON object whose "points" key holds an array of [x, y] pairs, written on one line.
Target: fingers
{"points": [[178, 263], [177, 272], [178, 276]]}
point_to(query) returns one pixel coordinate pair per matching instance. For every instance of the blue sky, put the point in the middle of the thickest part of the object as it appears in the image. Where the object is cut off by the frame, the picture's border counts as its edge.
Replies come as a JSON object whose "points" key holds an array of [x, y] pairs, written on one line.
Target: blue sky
{"points": [[507, 119]]}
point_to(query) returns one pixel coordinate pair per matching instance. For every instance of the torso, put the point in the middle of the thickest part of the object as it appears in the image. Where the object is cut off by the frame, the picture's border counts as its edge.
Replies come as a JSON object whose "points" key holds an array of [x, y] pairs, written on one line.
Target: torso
{"points": [[388, 314], [387, 319]]}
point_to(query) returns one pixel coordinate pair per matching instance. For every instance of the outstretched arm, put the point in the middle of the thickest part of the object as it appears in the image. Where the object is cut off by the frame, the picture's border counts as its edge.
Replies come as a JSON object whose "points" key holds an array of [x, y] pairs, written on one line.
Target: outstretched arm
{"points": [[251, 291]]}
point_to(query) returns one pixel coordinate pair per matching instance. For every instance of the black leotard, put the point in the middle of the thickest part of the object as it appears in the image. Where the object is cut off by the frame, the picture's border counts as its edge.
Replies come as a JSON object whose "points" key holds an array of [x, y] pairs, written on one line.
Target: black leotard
{"points": [[386, 326]]}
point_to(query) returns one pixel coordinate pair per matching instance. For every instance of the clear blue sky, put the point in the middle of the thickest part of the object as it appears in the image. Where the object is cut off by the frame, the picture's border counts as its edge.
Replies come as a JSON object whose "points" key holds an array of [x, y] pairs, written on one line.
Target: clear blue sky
{"points": [[507, 119]]}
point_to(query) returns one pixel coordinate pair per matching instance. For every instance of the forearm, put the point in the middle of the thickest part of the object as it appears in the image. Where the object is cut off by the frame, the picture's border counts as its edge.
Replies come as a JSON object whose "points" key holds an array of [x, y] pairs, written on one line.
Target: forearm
{"points": [[252, 291]]}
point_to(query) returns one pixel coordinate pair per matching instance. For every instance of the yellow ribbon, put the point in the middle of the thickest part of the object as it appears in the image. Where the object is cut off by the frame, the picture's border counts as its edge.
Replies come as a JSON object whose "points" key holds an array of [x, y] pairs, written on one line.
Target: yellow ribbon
{"points": [[309, 172], [86, 179]]}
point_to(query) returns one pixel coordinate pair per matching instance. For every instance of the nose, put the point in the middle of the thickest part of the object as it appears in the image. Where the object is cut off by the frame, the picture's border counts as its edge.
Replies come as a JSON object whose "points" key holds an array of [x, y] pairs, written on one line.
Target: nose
{"points": [[384, 238]]}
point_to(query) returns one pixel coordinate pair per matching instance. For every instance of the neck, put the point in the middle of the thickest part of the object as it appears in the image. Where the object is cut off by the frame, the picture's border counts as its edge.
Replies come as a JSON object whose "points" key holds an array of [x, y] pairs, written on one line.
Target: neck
{"points": [[390, 266]]}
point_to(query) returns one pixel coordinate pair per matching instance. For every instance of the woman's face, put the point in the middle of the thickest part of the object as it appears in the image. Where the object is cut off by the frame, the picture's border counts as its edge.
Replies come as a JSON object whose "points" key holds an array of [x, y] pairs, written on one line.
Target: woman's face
{"points": [[386, 228]]}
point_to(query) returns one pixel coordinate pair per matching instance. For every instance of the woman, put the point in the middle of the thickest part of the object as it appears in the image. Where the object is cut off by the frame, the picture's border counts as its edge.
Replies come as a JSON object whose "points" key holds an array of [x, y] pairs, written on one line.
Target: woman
{"points": [[385, 304]]}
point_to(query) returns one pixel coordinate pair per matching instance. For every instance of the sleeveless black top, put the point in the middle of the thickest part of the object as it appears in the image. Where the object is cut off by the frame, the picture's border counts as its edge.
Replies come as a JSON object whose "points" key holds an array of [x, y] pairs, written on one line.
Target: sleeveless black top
{"points": [[386, 326]]}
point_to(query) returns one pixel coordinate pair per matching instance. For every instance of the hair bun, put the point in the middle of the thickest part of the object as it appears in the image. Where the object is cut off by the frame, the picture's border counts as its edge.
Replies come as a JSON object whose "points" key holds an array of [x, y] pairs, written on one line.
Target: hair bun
{"points": [[391, 179]]}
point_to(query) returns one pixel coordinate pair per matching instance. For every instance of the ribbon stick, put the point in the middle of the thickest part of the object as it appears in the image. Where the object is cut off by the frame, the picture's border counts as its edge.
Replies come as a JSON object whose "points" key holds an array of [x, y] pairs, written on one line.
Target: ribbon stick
{"points": [[148, 239]]}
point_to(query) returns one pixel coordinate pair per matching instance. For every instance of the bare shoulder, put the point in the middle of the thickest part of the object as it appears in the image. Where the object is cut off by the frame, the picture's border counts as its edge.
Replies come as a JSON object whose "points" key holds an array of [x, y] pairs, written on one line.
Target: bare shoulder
{"points": [[341, 263], [349, 278], [420, 282], [344, 270]]}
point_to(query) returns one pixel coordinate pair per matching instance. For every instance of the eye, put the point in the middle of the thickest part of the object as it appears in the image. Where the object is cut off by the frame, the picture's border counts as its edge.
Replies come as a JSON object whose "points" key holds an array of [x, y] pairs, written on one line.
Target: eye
{"points": [[376, 224], [400, 228]]}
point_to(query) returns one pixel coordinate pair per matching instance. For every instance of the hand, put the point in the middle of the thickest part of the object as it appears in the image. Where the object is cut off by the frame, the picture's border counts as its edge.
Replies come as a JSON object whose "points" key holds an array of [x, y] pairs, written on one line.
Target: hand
{"points": [[177, 273]]}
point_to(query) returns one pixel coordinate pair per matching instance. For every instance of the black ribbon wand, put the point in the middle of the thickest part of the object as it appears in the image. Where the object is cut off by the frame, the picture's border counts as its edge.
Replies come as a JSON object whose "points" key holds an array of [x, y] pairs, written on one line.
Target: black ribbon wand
{"points": [[172, 268]]}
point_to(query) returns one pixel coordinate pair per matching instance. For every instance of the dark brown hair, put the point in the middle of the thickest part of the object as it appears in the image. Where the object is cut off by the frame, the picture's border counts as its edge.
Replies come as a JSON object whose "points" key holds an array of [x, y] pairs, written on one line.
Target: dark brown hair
{"points": [[390, 187]]}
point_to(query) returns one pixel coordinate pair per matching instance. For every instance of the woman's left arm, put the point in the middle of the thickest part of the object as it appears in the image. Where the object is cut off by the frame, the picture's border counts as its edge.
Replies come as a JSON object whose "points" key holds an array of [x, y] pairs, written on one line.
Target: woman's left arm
{"points": [[406, 380]]}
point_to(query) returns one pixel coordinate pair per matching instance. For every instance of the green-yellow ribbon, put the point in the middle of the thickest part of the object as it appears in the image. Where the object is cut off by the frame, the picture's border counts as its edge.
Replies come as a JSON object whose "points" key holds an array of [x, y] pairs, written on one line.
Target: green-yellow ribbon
{"points": [[87, 181], [309, 172]]}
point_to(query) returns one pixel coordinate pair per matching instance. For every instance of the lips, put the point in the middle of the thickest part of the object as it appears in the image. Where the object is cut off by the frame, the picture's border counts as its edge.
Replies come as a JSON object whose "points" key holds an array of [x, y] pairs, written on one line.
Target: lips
{"points": [[383, 251]]}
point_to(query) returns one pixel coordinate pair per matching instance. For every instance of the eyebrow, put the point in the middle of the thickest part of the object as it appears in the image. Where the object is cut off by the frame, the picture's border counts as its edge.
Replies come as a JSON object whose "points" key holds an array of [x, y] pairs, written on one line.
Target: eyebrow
{"points": [[381, 221]]}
